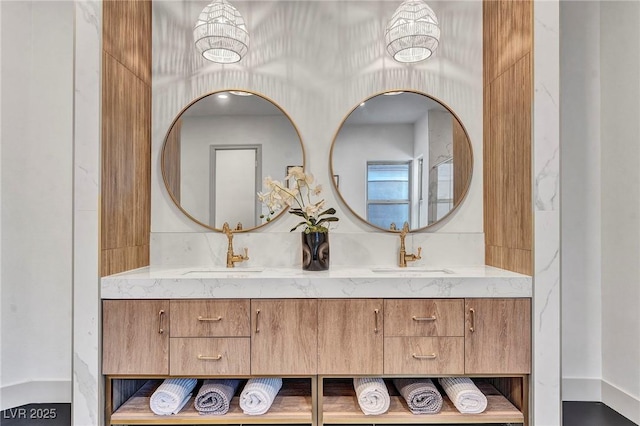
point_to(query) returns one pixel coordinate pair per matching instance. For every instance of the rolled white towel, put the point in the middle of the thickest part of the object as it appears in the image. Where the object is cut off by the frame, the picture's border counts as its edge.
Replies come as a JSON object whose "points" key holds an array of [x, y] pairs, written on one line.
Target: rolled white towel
{"points": [[258, 395], [421, 395], [171, 396], [464, 394], [373, 395], [215, 396]]}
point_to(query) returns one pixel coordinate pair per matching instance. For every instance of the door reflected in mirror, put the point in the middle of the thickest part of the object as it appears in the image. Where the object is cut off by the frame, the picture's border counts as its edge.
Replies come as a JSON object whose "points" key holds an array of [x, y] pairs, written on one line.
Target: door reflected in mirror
{"points": [[401, 157], [217, 152]]}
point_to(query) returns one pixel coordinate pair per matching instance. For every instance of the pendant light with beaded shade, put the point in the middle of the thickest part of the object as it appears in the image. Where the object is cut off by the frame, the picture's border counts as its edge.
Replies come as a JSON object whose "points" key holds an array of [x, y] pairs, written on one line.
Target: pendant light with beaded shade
{"points": [[413, 33], [221, 34]]}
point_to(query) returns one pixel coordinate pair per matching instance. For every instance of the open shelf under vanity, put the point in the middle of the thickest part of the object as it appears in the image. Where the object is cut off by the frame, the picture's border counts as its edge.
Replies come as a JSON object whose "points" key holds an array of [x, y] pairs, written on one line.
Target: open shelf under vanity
{"points": [[315, 400], [339, 405]]}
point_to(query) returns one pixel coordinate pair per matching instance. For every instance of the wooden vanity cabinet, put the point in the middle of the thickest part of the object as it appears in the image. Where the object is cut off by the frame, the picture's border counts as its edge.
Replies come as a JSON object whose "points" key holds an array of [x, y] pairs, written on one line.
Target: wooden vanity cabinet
{"points": [[350, 336], [135, 335], [284, 336], [497, 336], [320, 344]]}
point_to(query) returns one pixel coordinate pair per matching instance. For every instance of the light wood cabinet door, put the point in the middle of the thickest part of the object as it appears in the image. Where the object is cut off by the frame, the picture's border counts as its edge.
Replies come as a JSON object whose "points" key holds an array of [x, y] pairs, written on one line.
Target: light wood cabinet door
{"points": [[498, 336], [284, 336], [350, 337], [135, 337], [423, 317], [209, 318]]}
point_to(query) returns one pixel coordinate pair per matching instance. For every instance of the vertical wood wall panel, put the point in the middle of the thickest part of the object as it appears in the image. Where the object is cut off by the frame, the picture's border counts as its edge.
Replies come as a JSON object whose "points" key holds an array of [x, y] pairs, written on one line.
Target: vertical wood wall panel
{"points": [[462, 161], [171, 160], [127, 35], [507, 34], [126, 136], [123, 259], [508, 209]]}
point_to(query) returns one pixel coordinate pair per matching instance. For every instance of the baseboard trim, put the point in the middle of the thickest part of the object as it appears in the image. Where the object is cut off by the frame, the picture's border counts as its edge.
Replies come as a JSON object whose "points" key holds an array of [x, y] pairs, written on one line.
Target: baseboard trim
{"points": [[582, 389], [620, 401], [35, 392]]}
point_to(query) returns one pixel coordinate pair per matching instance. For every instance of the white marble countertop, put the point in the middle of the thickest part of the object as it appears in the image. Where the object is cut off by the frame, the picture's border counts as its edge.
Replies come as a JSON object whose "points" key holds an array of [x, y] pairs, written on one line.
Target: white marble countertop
{"points": [[338, 282]]}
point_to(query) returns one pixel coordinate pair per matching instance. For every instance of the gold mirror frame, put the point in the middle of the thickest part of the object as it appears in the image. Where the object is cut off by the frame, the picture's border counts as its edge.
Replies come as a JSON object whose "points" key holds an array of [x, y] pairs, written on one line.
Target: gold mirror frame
{"points": [[399, 226], [164, 154]]}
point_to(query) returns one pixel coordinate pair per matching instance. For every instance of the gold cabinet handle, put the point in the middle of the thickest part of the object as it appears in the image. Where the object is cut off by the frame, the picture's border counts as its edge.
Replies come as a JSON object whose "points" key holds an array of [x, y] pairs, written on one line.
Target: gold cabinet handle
{"points": [[431, 318], [257, 320], [161, 321], [432, 356], [201, 318], [210, 358], [472, 315], [376, 312]]}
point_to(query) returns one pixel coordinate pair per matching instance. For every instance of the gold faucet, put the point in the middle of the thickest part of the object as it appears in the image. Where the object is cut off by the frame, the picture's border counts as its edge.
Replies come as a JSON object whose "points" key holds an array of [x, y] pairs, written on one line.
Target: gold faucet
{"points": [[404, 257], [232, 259]]}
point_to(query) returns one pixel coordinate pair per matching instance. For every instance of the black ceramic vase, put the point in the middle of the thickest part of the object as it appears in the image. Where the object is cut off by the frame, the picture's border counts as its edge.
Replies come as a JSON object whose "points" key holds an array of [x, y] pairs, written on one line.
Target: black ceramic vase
{"points": [[315, 251]]}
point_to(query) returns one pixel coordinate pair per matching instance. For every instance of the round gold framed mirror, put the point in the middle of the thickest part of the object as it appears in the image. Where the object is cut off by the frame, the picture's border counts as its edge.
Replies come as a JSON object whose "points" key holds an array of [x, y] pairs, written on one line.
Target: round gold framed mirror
{"points": [[399, 157], [217, 152]]}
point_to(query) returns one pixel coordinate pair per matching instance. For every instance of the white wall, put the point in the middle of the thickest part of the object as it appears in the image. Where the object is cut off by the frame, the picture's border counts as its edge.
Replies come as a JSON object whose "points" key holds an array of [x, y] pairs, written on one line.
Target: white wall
{"points": [[275, 134], [601, 203], [88, 394], [317, 80], [620, 94], [36, 178], [546, 192], [440, 137], [581, 233]]}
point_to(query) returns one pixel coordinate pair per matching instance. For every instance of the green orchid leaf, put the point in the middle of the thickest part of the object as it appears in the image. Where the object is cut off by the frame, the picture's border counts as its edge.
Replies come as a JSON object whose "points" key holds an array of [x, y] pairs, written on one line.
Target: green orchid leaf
{"points": [[328, 219], [298, 212], [297, 226], [328, 211]]}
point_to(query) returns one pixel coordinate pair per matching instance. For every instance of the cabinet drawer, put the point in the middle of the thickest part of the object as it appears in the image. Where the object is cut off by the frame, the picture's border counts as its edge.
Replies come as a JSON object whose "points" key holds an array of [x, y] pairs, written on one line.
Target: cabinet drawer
{"points": [[424, 355], [209, 356], [424, 317], [209, 318]]}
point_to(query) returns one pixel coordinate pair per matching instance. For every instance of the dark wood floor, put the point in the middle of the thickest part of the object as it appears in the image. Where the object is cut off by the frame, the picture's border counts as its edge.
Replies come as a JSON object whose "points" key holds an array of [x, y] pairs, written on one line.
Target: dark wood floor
{"points": [[591, 414]]}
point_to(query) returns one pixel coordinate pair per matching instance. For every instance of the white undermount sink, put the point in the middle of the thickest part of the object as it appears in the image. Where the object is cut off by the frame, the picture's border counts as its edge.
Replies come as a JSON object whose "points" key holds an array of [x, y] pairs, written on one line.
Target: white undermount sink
{"points": [[220, 271], [397, 269]]}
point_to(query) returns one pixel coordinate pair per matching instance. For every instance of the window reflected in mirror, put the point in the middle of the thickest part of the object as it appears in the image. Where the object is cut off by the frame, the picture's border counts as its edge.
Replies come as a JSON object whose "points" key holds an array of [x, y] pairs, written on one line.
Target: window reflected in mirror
{"points": [[388, 186], [401, 158]]}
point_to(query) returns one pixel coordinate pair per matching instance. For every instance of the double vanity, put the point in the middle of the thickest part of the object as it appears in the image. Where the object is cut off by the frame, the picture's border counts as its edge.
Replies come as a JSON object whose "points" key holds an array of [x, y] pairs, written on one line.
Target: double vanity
{"points": [[317, 330], [404, 158]]}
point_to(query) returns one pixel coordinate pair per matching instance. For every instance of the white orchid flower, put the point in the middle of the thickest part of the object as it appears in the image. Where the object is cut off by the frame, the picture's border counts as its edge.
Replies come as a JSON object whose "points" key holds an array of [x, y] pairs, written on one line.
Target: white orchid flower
{"points": [[311, 210], [298, 198], [296, 173]]}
